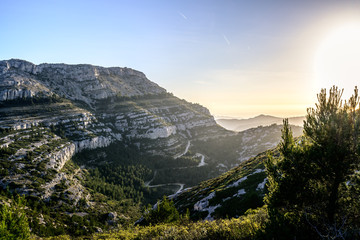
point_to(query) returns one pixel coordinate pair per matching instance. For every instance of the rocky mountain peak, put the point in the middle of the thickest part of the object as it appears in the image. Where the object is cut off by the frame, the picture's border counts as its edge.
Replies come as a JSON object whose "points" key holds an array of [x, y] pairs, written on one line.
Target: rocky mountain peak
{"points": [[19, 64], [82, 82]]}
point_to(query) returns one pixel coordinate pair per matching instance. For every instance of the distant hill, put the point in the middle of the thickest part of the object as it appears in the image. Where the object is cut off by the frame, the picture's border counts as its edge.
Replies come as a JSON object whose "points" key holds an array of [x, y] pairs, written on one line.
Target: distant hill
{"points": [[239, 125]]}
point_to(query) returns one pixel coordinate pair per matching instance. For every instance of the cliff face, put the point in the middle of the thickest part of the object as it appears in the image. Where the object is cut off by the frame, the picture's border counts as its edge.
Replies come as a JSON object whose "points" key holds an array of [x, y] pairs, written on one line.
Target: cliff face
{"points": [[86, 83], [57, 110]]}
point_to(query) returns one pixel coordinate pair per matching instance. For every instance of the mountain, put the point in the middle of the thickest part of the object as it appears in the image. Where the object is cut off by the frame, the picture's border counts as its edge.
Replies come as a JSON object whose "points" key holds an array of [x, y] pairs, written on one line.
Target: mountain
{"points": [[88, 145], [110, 103], [239, 125]]}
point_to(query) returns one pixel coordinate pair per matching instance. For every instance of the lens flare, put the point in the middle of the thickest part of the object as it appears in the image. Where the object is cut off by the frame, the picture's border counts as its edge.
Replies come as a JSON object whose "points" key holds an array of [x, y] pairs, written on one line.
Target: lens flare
{"points": [[337, 60]]}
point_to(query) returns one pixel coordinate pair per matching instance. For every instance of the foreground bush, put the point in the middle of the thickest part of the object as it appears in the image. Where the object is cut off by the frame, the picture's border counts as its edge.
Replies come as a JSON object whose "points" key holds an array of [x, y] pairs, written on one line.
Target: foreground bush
{"points": [[13, 221], [247, 227]]}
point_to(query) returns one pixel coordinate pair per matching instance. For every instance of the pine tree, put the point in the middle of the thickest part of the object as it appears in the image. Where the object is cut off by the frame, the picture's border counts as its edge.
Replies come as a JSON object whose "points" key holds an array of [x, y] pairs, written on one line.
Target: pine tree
{"points": [[307, 184], [165, 212]]}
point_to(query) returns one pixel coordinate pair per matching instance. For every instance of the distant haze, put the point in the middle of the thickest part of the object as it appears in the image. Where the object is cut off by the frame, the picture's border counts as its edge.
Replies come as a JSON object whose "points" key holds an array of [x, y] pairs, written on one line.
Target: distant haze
{"points": [[239, 125]]}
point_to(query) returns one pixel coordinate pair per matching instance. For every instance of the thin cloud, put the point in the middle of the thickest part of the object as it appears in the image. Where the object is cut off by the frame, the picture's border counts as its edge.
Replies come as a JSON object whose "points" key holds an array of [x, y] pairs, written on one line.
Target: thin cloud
{"points": [[183, 15], [226, 39]]}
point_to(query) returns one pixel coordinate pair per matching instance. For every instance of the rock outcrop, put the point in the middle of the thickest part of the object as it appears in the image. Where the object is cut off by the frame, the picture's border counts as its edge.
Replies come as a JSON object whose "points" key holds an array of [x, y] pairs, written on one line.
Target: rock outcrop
{"points": [[92, 143], [57, 159]]}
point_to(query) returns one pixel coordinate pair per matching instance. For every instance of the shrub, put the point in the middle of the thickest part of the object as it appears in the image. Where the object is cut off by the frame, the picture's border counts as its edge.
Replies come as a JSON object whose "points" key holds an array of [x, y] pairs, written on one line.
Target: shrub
{"points": [[13, 221]]}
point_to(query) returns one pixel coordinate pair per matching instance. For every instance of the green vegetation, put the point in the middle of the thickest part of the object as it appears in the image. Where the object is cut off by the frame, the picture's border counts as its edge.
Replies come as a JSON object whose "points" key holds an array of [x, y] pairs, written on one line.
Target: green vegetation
{"points": [[40, 99], [227, 149], [53, 218], [120, 171], [13, 221], [164, 212], [252, 174], [118, 182], [243, 228], [313, 190]]}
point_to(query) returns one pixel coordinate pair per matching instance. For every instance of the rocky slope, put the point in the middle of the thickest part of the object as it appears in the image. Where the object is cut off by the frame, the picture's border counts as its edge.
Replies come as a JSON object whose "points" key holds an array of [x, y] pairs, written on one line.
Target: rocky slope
{"points": [[243, 182], [99, 139], [228, 195], [49, 112]]}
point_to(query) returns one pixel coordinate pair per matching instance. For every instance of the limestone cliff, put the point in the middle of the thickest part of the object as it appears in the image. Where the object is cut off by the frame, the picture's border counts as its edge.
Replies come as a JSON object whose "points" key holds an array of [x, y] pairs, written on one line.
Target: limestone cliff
{"points": [[49, 112], [83, 82]]}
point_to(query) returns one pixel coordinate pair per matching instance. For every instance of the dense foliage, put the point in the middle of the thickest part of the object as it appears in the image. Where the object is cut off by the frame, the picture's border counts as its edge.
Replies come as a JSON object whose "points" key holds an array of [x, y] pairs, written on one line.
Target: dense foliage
{"points": [[40, 99], [120, 171], [314, 191], [13, 221], [163, 212]]}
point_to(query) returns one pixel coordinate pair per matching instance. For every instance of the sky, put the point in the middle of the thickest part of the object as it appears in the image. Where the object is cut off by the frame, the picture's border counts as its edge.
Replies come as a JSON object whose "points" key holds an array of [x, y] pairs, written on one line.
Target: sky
{"points": [[238, 58]]}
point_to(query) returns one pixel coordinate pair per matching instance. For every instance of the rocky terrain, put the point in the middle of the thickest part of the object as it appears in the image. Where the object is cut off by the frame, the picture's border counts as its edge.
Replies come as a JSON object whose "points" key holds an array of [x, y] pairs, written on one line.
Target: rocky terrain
{"points": [[87, 83], [100, 140], [49, 112], [228, 195]]}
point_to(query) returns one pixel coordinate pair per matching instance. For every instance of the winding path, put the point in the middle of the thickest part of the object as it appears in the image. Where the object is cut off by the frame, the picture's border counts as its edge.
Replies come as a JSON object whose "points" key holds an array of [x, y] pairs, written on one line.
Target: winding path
{"points": [[202, 161], [147, 184], [181, 185], [186, 150]]}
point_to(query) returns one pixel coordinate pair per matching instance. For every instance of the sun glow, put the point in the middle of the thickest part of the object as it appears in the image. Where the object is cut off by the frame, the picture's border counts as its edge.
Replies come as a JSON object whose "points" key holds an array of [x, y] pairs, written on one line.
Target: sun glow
{"points": [[337, 60]]}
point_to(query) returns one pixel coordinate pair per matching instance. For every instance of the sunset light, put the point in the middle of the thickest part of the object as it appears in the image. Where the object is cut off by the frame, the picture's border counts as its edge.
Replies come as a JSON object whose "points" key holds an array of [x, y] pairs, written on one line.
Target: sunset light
{"points": [[337, 61], [208, 119]]}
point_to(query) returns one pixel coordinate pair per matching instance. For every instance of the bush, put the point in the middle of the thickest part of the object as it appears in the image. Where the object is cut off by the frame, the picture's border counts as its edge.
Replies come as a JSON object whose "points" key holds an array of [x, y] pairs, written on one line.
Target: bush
{"points": [[246, 227], [165, 212], [13, 221]]}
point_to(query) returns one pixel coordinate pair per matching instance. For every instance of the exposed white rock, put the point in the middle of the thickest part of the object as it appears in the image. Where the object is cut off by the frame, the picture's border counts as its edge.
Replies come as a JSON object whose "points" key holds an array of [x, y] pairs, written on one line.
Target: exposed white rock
{"points": [[202, 204], [59, 158], [239, 193], [236, 183], [210, 210], [161, 132], [92, 143], [168, 126], [11, 94], [50, 186], [76, 190], [258, 170], [261, 185]]}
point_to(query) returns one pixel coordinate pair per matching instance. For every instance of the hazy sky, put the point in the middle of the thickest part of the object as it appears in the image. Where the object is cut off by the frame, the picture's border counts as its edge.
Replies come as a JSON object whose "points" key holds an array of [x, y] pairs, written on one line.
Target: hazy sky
{"points": [[238, 58]]}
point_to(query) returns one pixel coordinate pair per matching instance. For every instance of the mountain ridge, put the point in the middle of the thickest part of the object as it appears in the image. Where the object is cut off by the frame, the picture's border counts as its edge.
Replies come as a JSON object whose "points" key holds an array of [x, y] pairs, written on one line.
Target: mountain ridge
{"points": [[82, 82], [238, 125]]}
